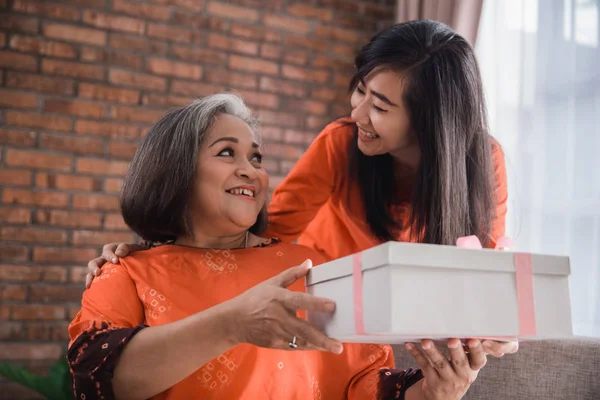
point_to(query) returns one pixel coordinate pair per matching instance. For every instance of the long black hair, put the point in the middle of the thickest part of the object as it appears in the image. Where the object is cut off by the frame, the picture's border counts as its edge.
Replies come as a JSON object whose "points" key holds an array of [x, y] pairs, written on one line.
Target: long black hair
{"points": [[453, 194]]}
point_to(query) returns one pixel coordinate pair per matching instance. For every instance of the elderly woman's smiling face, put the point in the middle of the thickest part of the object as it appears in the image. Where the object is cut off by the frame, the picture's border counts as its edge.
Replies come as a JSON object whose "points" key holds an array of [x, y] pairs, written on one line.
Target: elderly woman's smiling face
{"points": [[231, 185]]}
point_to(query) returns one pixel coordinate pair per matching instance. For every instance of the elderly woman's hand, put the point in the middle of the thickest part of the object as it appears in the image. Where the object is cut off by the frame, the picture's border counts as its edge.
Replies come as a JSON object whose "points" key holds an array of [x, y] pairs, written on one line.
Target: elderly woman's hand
{"points": [[265, 315], [446, 379], [110, 252]]}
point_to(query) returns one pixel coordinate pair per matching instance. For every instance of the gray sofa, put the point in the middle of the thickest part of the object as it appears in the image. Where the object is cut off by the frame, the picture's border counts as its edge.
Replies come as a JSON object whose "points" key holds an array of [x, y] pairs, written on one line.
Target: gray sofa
{"points": [[546, 370]]}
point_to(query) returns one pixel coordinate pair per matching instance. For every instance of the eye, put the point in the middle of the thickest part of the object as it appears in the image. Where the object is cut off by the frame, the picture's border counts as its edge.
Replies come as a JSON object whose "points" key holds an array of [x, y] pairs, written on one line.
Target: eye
{"points": [[226, 152], [379, 109], [257, 157], [359, 90]]}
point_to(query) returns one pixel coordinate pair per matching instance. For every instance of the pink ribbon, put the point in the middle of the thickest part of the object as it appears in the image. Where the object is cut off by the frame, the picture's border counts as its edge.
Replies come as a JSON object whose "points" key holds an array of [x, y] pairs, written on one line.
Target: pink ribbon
{"points": [[523, 276]]}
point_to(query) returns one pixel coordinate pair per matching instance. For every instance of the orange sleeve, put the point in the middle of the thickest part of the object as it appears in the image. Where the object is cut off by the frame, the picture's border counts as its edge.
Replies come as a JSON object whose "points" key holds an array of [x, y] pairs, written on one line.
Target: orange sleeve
{"points": [[309, 184], [365, 383], [500, 193], [112, 299]]}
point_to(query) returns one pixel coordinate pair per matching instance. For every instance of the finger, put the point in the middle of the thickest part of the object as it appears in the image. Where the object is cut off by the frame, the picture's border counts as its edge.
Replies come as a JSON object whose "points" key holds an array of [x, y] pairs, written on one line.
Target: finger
{"points": [[291, 275], [88, 280], [458, 358], [438, 360], [477, 356], [95, 266], [423, 362], [305, 301], [498, 349], [313, 337], [108, 253]]}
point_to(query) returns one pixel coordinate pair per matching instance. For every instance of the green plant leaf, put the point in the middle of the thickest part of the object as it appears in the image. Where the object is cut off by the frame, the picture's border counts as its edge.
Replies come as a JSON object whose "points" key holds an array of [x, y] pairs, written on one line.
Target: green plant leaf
{"points": [[41, 384]]}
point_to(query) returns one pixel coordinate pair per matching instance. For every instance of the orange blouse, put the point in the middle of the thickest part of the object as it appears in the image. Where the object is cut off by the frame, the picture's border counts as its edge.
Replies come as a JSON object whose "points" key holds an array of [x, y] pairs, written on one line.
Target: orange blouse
{"points": [[316, 205], [168, 283]]}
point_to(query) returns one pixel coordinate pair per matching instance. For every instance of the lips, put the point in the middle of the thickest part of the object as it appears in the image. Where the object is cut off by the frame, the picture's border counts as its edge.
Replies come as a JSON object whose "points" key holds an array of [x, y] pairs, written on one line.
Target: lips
{"points": [[246, 191], [367, 135]]}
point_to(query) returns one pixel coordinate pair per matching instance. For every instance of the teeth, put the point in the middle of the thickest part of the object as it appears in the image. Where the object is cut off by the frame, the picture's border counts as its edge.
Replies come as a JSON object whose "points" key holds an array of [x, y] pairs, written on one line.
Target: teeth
{"points": [[369, 135], [245, 192]]}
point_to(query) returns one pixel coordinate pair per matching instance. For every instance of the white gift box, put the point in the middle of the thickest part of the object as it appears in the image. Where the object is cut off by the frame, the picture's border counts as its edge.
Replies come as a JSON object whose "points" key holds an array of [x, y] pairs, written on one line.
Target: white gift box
{"points": [[403, 292]]}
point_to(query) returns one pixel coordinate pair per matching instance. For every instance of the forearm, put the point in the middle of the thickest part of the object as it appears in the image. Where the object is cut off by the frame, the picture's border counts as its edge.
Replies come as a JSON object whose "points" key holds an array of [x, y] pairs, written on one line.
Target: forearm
{"points": [[415, 392], [159, 357]]}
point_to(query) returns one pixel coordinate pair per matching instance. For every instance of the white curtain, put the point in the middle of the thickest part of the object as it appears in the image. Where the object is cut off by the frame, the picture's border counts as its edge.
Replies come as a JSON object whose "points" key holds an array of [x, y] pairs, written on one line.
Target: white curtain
{"points": [[540, 61]]}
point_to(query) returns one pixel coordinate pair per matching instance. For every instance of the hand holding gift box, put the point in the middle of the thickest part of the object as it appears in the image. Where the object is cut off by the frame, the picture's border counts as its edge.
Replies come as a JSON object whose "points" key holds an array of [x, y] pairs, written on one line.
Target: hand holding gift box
{"points": [[404, 292]]}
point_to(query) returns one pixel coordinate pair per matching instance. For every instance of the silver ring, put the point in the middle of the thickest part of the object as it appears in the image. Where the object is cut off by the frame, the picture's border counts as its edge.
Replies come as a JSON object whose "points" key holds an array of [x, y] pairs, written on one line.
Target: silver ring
{"points": [[293, 344]]}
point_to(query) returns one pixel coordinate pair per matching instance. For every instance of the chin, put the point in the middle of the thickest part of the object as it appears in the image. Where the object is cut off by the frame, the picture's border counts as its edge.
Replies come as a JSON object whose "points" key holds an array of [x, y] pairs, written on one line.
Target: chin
{"points": [[370, 151]]}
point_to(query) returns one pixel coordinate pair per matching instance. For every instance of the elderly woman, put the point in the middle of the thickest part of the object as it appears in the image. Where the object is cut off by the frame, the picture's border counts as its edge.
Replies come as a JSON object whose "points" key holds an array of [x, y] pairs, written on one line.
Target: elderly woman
{"points": [[216, 311]]}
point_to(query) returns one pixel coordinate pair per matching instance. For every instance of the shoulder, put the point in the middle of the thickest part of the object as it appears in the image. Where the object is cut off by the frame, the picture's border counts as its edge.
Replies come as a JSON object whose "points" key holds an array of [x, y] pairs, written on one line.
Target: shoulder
{"points": [[497, 154], [339, 131], [297, 253]]}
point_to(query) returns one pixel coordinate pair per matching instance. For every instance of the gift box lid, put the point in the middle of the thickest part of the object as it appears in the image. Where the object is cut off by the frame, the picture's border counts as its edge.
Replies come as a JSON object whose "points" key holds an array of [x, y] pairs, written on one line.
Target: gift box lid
{"points": [[399, 254]]}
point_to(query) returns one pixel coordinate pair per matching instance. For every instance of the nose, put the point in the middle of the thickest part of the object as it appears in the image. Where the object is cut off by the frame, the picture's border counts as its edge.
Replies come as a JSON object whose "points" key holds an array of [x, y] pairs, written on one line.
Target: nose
{"points": [[246, 171], [360, 113]]}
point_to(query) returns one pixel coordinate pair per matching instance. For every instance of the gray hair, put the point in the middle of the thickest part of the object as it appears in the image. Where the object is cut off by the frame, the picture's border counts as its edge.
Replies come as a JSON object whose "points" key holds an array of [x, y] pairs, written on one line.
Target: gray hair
{"points": [[158, 185]]}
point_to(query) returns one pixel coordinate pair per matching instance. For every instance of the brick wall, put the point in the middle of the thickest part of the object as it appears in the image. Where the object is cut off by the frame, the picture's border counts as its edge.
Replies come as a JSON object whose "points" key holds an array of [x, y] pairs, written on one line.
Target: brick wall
{"points": [[82, 80]]}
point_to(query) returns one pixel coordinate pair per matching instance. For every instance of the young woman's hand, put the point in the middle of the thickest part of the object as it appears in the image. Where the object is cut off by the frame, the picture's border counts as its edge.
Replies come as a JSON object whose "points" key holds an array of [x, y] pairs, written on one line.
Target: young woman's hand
{"points": [[110, 252], [446, 378]]}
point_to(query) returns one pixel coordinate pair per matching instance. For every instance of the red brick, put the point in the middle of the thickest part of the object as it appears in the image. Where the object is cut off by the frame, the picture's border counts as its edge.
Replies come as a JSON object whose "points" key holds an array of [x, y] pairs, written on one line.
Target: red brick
{"points": [[286, 23], [108, 93], [259, 99], [78, 274], [16, 99], [271, 51], [198, 22], [283, 150], [342, 80], [67, 182], [12, 60], [169, 32], [87, 3], [55, 293], [137, 44], [305, 74], [271, 133], [306, 11], [280, 118], [73, 311], [38, 83], [134, 114], [286, 166], [107, 129], [15, 215], [231, 44], [272, 166], [205, 56], [38, 312], [324, 93], [273, 4], [137, 80], [257, 33], [192, 5], [97, 166], [35, 235], [274, 181], [253, 65], [11, 331], [29, 351], [4, 313], [63, 255], [45, 332], [38, 160], [340, 5], [113, 22], [18, 273], [17, 138], [13, 253], [294, 41], [34, 198], [282, 87], [111, 57], [71, 33], [71, 144], [162, 101], [2, 39], [73, 69], [338, 34], [113, 185], [115, 222], [41, 121], [18, 23], [95, 202], [345, 50], [13, 292], [148, 11], [74, 107], [193, 89], [232, 79], [68, 219], [29, 44], [124, 150], [310, 106], [314, 122], [231, 11], [42, 8], [15, 177], [161, 66], [97, 238]]}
